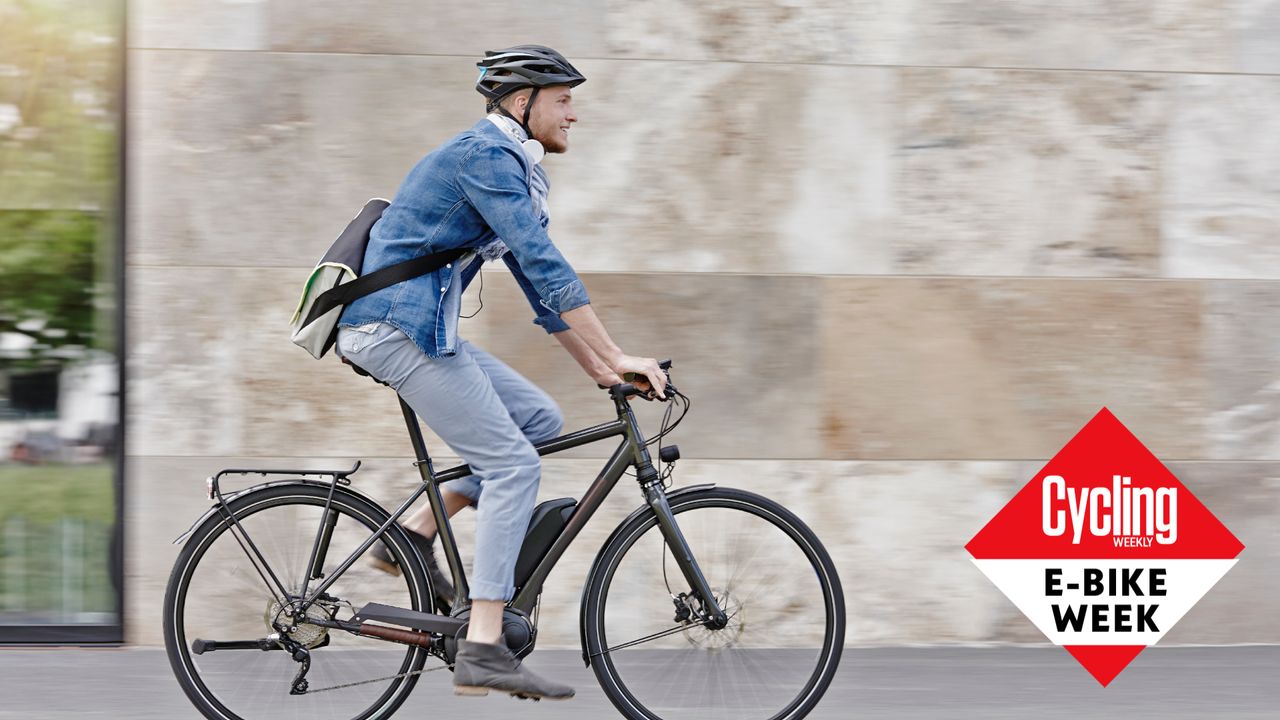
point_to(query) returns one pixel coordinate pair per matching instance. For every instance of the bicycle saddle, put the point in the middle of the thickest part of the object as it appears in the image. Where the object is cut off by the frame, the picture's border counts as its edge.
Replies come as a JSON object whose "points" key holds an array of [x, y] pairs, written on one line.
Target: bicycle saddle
{"points": [[361, 371]]}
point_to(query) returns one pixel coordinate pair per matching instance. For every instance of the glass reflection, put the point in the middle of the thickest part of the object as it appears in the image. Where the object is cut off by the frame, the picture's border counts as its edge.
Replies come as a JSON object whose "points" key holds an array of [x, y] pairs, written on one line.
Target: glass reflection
{"points": [[60, 130]]}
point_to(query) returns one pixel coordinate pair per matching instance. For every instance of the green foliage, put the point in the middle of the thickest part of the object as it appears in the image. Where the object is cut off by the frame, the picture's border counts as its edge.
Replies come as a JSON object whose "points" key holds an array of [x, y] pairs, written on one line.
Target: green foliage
{"points": [[47, 272], [37, 503], [47, 574], [48, 493], [60, 94], [59, 103]]}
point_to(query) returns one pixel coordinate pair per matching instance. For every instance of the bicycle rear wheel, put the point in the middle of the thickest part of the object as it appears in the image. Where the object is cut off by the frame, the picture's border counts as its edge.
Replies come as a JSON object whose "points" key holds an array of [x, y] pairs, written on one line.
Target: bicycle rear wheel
{"points": [[770, 575], [215, 593]]}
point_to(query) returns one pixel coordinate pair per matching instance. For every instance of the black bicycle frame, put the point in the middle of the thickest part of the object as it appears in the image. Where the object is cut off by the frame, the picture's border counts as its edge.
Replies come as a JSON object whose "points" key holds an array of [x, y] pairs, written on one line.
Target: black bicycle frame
{"points": [[630, 452]]}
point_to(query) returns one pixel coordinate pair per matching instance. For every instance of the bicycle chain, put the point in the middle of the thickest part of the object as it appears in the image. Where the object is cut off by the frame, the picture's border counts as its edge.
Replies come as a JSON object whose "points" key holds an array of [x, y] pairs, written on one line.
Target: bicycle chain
{"points": [[381, 679]]}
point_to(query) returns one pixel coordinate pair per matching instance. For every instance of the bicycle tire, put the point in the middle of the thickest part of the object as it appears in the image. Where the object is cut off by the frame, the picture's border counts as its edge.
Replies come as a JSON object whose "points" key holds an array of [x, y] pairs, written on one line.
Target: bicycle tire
{"points": [[262, 679], [701, 673]]}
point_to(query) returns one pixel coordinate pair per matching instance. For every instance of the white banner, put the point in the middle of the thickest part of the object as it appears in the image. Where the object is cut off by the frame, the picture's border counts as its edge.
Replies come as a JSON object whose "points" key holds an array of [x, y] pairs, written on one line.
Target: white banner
{"points": [[1104, 602]]}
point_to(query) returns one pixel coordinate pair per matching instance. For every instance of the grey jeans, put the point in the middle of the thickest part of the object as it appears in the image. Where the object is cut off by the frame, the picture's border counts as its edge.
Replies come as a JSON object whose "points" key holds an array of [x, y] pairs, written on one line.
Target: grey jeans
{"points": [[490, 416]]}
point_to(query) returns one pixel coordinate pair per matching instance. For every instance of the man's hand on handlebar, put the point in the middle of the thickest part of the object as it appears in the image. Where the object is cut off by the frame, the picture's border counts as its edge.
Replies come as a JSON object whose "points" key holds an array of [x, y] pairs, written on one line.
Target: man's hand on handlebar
{"points": [[644, 389], [643, 368], [606, 379]]}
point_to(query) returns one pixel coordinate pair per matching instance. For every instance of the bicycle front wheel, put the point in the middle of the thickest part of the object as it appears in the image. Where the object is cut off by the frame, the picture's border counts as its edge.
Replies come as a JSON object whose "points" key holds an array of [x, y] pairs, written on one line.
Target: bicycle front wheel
{"points": [[777, 654], [217, 592]]}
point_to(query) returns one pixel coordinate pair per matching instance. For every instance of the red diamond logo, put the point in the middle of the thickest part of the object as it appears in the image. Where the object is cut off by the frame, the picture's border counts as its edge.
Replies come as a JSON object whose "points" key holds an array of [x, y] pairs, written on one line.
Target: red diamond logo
{"points": [[1104, 550]]}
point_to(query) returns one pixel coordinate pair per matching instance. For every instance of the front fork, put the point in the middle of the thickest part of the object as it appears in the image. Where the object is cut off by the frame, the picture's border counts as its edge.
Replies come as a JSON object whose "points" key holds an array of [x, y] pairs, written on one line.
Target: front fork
{"points": [[656, 497]]}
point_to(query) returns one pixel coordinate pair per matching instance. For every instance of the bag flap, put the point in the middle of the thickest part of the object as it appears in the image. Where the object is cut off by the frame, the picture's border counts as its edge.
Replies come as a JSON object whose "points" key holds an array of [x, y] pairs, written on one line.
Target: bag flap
{"points": [[348, 249]]}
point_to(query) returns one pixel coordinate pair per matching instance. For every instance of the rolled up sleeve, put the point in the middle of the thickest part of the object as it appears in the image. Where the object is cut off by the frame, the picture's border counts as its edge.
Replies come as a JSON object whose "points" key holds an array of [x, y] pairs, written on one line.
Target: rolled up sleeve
{"points": [[543, 316], [492, 179]]}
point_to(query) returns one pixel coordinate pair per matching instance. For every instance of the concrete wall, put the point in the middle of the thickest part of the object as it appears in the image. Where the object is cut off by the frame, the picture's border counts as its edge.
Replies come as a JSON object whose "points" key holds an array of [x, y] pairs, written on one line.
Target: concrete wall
{"points": [[899, 251]]}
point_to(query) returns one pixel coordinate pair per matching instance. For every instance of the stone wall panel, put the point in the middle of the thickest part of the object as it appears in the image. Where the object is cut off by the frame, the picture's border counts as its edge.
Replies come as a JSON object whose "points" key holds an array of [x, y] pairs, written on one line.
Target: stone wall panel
{"points": [[1220, 211], [1003, 368], [1029, 173]]}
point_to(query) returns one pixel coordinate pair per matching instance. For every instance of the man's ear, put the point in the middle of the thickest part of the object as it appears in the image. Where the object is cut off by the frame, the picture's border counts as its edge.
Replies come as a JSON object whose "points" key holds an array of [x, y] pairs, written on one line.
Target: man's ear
{"points": [[518, 103]]}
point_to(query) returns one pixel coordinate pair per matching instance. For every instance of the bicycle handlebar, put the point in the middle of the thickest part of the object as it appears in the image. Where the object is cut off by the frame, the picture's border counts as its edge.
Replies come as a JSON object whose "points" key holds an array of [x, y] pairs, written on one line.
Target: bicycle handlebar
{"points": [[627, 389]]}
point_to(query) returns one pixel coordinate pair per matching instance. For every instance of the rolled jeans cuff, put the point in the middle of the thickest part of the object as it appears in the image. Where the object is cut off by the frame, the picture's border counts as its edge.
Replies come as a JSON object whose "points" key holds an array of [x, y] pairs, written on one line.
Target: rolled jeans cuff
{"points": [[492, 591], [468, 487]]}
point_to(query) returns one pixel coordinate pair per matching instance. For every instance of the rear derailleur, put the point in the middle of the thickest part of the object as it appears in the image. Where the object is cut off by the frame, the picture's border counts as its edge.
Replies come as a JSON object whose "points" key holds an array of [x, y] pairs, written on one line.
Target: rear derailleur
{"points": [[301, 655]]}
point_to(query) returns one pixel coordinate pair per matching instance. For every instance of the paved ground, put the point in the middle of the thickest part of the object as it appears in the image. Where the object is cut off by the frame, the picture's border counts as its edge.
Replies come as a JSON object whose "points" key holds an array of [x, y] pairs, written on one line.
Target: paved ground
{"points": [[1023, 683]]}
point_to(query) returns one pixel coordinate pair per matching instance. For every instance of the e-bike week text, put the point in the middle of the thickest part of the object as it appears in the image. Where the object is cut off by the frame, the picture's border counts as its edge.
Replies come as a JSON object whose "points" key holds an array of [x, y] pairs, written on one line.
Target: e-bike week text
{"points": [[1132, 516]]}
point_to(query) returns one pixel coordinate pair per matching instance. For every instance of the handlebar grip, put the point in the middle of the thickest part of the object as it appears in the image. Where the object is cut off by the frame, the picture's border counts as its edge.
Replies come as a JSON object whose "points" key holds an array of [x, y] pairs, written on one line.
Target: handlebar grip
{"points": [[627, 389]]}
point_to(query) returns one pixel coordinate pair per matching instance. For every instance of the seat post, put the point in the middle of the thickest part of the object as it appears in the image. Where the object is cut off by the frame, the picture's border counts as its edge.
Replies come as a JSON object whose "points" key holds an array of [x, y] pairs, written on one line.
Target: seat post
{"points": [[415, 436], [443, 530]]}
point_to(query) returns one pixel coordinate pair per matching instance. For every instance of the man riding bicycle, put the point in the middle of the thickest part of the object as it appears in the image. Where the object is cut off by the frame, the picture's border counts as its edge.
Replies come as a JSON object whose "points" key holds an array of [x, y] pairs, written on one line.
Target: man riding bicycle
{"points": [[484, 190]]}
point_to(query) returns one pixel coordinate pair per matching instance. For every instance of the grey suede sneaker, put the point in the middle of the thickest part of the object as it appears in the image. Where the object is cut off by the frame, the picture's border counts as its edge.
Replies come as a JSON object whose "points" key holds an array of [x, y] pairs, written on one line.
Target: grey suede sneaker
{"points": [[381, 558], [481, 667]]}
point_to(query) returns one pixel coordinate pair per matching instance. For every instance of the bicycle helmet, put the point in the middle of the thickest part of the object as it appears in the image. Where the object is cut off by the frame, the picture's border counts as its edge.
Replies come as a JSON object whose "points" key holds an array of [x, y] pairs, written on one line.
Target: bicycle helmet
{"points": [[502, 72]]}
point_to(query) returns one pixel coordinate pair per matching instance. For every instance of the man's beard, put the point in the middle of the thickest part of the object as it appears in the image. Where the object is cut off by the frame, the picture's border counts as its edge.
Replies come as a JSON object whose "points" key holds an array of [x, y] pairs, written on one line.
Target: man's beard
{"points": [[555, 144]]}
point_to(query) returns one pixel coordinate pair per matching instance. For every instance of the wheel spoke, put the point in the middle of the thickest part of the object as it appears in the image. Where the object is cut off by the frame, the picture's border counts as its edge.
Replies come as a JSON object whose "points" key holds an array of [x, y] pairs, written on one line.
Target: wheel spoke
{"points": [[647, 638], [771, 660], [217, 593]]}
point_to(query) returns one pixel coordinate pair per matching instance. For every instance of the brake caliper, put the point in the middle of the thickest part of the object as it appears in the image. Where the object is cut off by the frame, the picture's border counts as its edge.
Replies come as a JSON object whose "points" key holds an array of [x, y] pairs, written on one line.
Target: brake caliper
{"points": [[683, 612]]}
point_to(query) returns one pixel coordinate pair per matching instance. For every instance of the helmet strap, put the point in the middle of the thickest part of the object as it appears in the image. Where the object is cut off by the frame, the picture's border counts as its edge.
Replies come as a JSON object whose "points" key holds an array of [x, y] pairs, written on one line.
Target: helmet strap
{"points": [[528, 108]]}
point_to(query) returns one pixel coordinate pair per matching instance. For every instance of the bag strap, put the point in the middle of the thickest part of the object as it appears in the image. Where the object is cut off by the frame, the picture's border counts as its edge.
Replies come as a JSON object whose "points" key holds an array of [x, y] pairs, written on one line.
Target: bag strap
{"points": [[379, 279]]}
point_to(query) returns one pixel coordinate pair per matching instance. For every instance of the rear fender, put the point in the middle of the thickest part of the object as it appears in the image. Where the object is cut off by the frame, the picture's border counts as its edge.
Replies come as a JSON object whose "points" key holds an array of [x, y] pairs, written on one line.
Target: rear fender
{"points": [[229, 496]]}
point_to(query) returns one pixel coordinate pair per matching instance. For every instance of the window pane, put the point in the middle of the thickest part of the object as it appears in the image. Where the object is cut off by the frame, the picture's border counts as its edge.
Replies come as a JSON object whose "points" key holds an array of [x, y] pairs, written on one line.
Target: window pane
{"points": [[61, 65]]}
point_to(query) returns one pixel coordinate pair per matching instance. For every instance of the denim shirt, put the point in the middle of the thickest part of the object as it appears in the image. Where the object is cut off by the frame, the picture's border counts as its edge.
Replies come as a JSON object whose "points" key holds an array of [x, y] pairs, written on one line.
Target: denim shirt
{"points": [[464, 194]]}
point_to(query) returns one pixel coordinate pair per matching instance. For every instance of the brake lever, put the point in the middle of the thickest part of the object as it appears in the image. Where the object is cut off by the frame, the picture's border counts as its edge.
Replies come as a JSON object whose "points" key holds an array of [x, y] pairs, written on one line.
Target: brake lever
{"points": [[668, 392]]}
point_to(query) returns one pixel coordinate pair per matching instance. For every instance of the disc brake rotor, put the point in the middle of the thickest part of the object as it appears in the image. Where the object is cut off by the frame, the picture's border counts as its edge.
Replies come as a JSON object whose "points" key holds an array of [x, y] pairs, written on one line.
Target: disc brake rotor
{"points": [[727, 636]]}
